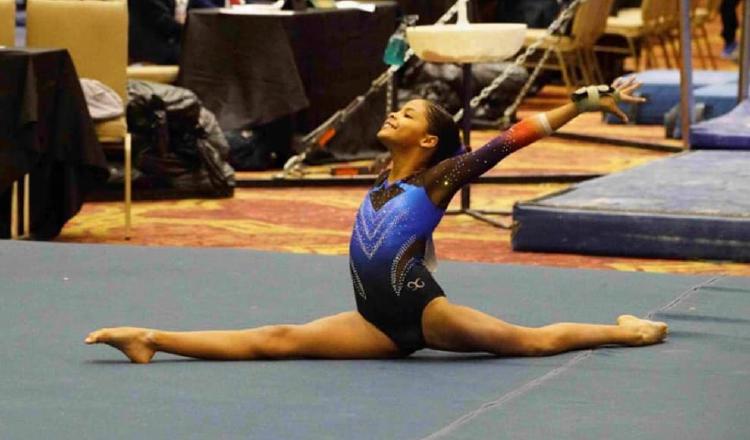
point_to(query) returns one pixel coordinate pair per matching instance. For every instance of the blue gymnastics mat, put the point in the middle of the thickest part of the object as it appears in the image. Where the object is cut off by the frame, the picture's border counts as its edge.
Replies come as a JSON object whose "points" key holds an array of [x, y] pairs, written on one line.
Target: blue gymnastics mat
{"points": [[728, 132], [661, 88], [716, 100], [691, 206], [52, 386]]}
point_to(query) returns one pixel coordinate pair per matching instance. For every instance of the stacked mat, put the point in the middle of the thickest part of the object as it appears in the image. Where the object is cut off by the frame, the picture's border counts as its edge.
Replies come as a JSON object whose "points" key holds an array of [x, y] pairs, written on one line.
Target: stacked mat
{"points": [[692, 206], [715, 94], [728, 132]]}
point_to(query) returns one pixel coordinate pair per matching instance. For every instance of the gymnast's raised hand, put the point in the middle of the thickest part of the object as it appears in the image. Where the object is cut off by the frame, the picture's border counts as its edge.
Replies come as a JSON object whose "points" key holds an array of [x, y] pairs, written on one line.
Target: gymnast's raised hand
{"points": [[605, 98], [400, 308]]}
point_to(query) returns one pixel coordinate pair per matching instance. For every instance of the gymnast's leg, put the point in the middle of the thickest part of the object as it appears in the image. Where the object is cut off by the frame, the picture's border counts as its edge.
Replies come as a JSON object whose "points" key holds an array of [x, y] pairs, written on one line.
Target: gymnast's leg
{"points": [[452, 327], [344, 336]]}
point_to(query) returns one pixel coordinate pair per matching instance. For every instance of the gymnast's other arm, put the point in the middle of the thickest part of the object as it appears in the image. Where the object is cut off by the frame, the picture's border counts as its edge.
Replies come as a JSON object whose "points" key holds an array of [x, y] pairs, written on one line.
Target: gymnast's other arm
{"points": [[447, 177]]}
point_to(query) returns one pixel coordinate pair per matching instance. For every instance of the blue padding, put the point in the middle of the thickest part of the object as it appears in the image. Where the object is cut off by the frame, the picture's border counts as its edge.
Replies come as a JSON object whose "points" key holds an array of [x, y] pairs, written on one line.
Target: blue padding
{"points": [[717, 99], [662, 89], [693, 206], [730, 131]]}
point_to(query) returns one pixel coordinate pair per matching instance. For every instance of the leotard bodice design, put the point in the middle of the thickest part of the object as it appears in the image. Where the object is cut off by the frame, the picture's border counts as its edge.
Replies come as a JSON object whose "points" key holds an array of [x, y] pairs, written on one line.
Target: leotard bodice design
{"points": [[394, 224]]}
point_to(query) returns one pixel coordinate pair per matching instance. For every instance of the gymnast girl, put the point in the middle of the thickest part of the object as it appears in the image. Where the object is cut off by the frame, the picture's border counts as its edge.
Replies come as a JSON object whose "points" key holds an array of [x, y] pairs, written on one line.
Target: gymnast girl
{"points": [[400, 307]]}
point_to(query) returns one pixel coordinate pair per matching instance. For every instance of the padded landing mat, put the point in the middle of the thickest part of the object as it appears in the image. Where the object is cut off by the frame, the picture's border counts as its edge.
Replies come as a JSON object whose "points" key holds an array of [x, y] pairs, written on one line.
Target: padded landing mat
{"points": [[695, 386], [692, 206], [661, 88], [728, 132]]}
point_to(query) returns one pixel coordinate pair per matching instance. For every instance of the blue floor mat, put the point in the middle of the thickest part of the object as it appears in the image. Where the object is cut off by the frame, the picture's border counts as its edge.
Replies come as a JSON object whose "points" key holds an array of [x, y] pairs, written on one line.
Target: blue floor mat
{"points": [[53, 386]]}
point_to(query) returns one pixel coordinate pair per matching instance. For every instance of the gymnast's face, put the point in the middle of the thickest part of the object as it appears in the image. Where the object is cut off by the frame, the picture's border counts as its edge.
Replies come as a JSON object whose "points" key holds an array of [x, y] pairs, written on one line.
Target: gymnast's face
{"points": [[407, 128]]}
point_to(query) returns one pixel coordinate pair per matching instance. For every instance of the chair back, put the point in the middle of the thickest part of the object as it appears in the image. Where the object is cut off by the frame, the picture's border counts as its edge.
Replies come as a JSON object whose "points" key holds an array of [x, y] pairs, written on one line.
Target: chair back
{"points": [[95, 33], [7, 23], [710, 8], [670, 14], [659, 15], [590, 21], [650, 12]]}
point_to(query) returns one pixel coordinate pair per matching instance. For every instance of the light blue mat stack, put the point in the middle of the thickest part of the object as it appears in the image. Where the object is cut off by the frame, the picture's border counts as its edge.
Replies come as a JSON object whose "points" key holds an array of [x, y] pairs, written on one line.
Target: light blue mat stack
{"points": [[715, 94], [728, 132]]}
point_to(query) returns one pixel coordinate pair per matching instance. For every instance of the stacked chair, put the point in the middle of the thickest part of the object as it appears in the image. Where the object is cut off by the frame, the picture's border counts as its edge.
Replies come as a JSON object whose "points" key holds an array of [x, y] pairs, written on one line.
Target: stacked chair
{"points": [[703, 12], [8, 39], [574, 54], [7, 23], [95, 33], [655, 23]]}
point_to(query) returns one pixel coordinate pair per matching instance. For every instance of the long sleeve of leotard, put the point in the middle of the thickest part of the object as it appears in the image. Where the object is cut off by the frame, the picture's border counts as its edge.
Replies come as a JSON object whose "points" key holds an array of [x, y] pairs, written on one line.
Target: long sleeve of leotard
{"points": [[443, 180]]}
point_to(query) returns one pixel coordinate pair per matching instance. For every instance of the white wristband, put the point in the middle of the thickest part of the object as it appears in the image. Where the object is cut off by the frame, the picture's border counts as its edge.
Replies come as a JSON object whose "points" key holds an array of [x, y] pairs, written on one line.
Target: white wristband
{"points": [[544, 122], [587, 99]]}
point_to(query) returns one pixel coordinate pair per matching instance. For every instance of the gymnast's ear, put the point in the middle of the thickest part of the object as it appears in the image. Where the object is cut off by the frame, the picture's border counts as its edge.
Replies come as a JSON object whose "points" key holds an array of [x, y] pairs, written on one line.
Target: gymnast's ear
{"points": [[428, 141]]}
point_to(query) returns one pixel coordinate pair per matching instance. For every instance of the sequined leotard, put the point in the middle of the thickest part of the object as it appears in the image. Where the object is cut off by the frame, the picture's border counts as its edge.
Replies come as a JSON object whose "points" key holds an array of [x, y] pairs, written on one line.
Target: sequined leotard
{"points": [[394, 227]]}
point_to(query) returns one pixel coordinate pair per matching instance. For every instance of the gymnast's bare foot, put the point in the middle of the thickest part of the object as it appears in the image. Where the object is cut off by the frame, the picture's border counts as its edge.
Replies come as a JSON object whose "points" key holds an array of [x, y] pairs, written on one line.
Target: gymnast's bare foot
{"points": [[645, 332], [135, 343]]}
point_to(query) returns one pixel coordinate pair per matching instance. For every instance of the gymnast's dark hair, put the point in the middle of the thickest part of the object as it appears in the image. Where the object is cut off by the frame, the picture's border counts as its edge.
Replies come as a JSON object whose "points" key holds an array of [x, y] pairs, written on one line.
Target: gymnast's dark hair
{"points": [[441, 124]]}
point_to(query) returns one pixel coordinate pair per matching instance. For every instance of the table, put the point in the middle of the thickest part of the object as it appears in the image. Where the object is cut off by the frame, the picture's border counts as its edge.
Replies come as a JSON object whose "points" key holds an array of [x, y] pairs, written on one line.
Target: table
{"points": [[46, 130], [250, 70]]}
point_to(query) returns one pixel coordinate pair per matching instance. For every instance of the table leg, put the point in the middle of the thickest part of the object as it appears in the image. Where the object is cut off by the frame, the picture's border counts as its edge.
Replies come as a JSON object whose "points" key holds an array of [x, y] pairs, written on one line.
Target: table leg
{"points": [[14, 211]]}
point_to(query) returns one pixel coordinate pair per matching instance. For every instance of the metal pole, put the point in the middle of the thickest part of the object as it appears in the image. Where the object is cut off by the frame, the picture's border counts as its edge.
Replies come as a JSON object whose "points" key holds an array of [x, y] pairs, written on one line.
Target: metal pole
{"points": [[466, 124], [744, 53], [687, 101]]}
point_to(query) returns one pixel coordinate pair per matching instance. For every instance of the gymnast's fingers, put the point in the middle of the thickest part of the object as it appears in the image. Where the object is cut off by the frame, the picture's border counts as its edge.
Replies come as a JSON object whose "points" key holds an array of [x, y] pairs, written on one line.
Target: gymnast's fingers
{"points": [[623, 82], [631, 87], [613, 108], [624, 97]]}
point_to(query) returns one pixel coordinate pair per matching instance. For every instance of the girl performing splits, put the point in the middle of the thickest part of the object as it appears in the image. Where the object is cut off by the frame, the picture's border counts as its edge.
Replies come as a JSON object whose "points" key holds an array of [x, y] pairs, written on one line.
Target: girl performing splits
{"points": [[400, 308]]}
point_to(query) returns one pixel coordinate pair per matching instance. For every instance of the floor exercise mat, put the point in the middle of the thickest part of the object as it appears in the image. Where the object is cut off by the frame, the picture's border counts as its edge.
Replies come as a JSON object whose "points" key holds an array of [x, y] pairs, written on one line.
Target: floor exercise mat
{"points": [[728, 132], [691, 206], [694, 386]]}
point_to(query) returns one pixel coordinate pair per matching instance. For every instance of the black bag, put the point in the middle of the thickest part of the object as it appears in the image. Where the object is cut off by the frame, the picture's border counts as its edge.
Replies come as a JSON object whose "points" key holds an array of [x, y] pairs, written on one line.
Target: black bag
{"points": [[263, 147], [177, 140]]}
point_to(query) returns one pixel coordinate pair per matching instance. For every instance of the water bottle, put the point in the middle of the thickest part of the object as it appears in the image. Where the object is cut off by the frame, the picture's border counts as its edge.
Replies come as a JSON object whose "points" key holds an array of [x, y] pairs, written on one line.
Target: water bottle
{"points": [[395, 51]]}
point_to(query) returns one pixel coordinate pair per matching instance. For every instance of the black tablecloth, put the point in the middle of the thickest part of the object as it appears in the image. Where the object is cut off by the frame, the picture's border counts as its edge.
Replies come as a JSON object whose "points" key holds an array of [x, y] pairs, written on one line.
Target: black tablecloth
{"points": [[45, 129], [428, 10], [250, 70]]}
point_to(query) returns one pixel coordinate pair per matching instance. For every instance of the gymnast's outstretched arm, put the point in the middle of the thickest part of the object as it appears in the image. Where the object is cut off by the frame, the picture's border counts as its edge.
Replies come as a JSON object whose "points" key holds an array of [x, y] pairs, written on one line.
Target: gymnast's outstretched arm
{"points": [[446, 178]]}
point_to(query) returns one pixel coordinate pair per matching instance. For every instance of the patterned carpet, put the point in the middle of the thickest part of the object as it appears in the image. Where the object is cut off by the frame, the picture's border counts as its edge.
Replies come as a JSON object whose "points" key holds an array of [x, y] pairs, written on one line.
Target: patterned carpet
{"points": [[319, 220]]}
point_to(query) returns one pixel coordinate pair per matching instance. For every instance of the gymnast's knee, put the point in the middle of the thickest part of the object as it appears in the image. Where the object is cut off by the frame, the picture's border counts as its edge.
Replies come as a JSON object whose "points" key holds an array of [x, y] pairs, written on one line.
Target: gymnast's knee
{"points": [[279, 342], [537, 342]]}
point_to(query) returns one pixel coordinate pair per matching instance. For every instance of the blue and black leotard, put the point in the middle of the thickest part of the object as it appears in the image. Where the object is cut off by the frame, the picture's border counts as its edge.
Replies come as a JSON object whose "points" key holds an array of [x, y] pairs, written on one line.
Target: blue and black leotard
{"points": [[393, 231]]}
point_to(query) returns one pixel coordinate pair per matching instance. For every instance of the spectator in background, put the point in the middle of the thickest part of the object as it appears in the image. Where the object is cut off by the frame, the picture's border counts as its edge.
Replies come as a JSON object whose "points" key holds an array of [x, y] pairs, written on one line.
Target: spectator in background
{"points": [[156, 27], [154, 32], [535, 13], [198, 4], [728, 11]]}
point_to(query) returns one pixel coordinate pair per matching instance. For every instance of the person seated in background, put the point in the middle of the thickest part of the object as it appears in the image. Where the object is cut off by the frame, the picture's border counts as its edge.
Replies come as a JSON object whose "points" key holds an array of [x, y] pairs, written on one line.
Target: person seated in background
{"points": [[156, 26], [535, 13], [154, 32], [198, 4]]}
